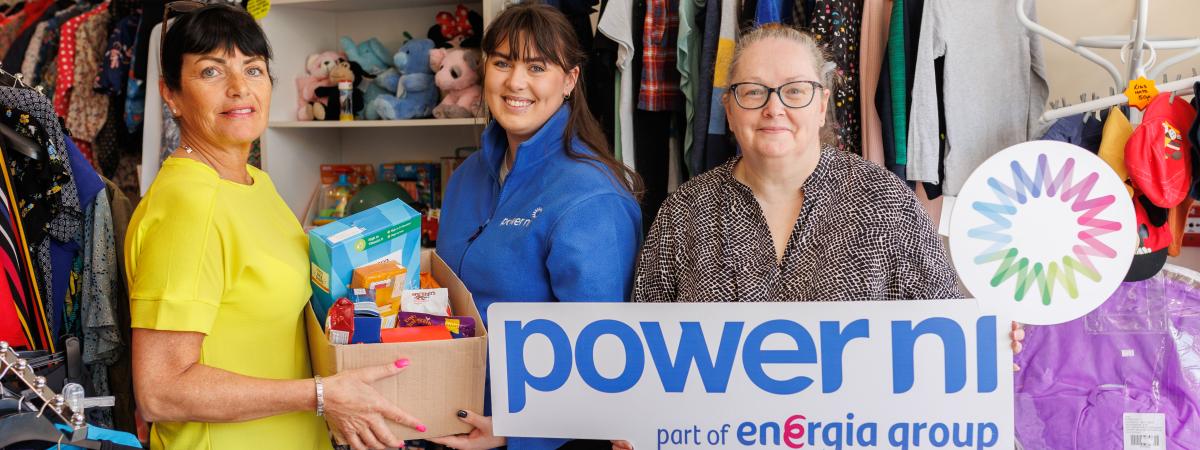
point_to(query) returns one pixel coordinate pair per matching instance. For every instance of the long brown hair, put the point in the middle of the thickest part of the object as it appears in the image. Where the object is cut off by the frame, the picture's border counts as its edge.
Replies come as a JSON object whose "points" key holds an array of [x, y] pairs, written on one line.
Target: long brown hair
{"points": [[531, 28]]}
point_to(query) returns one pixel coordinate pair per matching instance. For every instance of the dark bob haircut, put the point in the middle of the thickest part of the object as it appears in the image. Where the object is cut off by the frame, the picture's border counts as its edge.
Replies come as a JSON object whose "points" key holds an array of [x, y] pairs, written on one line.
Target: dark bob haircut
{"points": [[209, 28]]}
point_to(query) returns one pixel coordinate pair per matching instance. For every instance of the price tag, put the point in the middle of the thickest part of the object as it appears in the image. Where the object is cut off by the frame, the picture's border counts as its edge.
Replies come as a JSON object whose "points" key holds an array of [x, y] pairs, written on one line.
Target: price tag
{"points": [[258, 9], [1140, 92]]}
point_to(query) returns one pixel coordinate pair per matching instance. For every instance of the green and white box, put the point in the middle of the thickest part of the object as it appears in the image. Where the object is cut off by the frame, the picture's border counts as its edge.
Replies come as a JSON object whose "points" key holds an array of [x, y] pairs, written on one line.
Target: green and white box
{"points": [[391, 231]]}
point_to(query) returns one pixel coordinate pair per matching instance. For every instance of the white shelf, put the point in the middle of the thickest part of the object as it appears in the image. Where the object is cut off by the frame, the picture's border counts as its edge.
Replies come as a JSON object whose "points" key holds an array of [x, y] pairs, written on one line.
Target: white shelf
{"points": [[377, 123], [360, 5]]}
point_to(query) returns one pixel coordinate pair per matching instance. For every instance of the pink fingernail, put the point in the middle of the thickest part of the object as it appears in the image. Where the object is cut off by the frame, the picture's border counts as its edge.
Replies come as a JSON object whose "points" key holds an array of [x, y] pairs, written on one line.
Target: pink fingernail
{"points": [[401, 363], [421, 428]]}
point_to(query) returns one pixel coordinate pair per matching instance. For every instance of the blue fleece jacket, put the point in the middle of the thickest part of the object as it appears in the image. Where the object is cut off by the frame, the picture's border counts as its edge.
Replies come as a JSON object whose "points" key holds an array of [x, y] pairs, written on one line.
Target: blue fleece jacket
{"points": [[558, 229]]}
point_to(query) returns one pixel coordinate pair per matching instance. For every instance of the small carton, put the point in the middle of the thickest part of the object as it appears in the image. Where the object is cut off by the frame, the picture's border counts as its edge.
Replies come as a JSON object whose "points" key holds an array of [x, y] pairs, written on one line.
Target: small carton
{"points": [[388, 232], [444, 377], [377, 276]]}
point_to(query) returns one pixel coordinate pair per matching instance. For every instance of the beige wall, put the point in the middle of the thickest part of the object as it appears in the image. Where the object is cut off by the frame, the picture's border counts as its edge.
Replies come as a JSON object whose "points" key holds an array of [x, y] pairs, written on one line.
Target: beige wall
{"points": [[1071, 74]]}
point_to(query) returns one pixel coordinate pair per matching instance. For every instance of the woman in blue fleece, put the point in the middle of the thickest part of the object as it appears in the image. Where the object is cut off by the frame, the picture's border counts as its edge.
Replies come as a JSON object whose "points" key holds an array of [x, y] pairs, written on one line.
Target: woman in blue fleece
{"points": [[543, 212]]}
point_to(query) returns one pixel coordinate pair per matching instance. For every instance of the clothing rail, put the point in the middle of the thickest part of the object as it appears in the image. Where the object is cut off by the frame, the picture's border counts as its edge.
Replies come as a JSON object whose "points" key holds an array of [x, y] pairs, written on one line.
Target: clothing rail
{"points": [[1179, 87], [1072, 46], [1135, 44]]}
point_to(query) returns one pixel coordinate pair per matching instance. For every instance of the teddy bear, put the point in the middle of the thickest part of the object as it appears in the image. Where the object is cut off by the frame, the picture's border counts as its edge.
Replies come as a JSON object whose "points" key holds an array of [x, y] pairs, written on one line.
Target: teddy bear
{"points": [[462, 28], [376, 61], [317, 68], [416, 95], [457, 77], [332, 108]]}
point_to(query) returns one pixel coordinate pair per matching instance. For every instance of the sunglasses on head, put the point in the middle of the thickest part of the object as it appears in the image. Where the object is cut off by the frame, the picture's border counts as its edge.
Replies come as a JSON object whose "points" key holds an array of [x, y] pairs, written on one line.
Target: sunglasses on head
{"points": [[174, 9]]}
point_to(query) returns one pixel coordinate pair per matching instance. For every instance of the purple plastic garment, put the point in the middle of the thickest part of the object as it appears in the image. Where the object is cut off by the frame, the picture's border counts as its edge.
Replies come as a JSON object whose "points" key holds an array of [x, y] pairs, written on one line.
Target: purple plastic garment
{"points": [[1137, 353]]}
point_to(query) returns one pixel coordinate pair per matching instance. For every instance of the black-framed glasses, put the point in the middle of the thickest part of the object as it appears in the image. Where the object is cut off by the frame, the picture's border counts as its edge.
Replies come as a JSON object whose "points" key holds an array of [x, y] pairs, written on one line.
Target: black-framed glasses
{"points": [[796, 94]]}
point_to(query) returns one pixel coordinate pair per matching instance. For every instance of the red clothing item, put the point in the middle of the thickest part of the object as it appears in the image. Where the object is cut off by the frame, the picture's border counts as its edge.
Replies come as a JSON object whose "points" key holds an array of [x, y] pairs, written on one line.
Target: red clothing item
{"points": [[1159, 155], [33, 12], [66, 60], [660, 78]]}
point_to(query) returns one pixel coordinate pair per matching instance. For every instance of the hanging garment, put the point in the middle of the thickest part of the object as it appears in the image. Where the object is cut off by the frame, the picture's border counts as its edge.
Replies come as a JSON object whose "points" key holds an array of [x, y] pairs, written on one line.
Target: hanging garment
{"points": [[988, 106], [29, 62], [118, 55], [871, 51], [27, 298], [698, 159], [836, 25], [120, 373], [19, 312], [1083, 130], [659, 90], [9, 28], [688, 62], [65, 62], [1194, 138], [1137, 353], [718, 146], [49, 199], [617, 24], [773, 11], [13, 58], [88, 109], [601, 84], [895, 83]]}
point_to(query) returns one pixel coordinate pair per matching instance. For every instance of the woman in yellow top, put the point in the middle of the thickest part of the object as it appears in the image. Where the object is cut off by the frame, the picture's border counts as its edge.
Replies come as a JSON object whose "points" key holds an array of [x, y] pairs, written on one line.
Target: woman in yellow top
{"points": [[219, 272]]}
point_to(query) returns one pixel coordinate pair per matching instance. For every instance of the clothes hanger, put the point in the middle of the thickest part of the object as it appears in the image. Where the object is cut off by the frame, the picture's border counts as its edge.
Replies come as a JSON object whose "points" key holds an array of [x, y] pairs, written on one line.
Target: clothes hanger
{"points": [[21, 144], [31, 426], [10, 138]]}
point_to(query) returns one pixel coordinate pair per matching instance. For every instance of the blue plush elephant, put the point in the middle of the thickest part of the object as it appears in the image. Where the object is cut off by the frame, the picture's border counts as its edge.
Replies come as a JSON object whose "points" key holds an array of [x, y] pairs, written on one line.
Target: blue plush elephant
{"points": [[416, 94], [376, 61]]}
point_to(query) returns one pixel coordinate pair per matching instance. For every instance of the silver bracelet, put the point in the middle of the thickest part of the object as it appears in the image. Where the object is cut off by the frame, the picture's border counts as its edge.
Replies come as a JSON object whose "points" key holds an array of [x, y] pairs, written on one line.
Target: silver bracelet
{"points": [[320, 395]]}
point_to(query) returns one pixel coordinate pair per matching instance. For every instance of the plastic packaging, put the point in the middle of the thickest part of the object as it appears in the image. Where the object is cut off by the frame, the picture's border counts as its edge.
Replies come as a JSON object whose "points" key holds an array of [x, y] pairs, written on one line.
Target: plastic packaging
{"points": [[459, 327], [428, 301], [415, 334], [336, 198], [339, 324], [346, 100], [1126, 374]]}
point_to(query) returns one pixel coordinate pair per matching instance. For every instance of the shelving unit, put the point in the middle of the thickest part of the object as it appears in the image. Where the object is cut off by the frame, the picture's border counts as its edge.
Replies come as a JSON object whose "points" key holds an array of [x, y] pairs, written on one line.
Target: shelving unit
{"points": [[293, 151]]}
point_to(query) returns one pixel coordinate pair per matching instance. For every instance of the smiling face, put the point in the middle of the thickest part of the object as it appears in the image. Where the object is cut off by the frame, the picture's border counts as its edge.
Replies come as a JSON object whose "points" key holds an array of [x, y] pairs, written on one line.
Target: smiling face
{"points": [[522, 94], [775, 130], [223, 98]]}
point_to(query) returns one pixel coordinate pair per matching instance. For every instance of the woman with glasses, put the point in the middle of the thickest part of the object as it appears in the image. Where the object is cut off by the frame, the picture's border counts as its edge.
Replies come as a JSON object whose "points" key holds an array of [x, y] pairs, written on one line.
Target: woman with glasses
{"points": [[218, 269], [790, 219]]}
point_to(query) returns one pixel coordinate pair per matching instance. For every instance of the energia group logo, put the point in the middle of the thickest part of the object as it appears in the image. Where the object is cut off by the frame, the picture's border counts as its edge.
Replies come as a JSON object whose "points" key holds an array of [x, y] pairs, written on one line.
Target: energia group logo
{"points": [[1044, 231]]}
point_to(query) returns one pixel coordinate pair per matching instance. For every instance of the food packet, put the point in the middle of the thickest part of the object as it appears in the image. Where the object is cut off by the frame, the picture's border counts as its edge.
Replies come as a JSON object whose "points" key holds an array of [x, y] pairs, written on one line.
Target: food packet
{"points": [[459, 327]]}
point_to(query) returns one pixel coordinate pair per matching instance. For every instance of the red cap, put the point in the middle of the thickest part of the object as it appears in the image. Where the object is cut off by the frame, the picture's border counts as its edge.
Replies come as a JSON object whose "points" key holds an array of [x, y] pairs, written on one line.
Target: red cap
{"points": [[1159, 155]]}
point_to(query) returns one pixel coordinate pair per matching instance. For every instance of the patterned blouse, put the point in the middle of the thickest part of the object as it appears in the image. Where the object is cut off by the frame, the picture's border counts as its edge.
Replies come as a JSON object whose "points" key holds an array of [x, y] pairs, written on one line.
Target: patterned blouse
{"points": [[861, 235]]}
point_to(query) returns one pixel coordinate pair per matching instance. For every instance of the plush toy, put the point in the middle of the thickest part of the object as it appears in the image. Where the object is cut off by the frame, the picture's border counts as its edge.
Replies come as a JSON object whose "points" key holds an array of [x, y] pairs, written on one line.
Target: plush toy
{"points": [[416, 94], [332, 108], [462, 28], [317, 68], [376, 61], [457, 77]]}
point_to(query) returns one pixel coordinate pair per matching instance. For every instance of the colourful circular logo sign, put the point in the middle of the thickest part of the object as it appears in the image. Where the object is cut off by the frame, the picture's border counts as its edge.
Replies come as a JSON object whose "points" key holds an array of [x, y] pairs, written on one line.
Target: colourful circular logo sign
{"points": [[1043, 231]]}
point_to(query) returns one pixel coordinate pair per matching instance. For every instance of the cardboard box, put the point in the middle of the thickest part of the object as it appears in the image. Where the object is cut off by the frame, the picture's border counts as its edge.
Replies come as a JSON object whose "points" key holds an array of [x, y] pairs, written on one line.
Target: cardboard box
{"points": [[391, 231], [444, 377]]}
